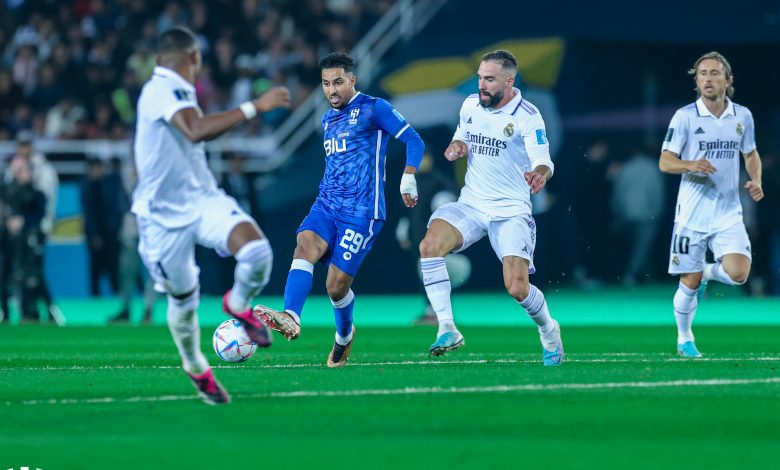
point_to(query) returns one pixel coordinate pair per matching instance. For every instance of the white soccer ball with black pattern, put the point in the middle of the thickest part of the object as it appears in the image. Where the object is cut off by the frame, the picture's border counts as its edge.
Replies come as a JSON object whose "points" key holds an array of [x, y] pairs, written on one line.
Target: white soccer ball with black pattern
{"points": [[231, 343]]}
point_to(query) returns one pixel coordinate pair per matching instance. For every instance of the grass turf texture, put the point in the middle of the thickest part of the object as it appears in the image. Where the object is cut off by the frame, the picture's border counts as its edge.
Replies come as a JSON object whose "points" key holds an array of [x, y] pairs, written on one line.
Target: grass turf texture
{"points": [[460, 413]]}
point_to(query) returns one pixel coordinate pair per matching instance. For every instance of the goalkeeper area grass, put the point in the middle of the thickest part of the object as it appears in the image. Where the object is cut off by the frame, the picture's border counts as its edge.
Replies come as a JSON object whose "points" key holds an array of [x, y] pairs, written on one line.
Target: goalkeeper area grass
{"points": [[84, 397]]}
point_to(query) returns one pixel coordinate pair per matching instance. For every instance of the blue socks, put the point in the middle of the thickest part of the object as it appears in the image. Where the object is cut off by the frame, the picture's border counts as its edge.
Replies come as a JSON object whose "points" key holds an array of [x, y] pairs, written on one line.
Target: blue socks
{"points": [[342, 310], [298, 286]]}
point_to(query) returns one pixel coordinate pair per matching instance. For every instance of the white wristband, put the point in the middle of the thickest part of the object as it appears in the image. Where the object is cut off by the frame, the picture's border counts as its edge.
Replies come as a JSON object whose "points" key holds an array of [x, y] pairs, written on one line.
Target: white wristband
{"points": [[249, 110], [409, 185]]}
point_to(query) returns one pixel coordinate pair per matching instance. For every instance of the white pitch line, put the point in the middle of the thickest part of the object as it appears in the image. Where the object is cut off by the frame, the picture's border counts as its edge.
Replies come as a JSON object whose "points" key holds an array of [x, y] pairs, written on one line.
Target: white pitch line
{"points": [[417, 391], [444, 362]]}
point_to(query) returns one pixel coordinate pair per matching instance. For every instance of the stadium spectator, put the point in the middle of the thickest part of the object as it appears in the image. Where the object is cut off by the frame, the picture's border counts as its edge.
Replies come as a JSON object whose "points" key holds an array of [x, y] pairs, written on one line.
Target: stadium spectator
{"points": [[10, 97], [637, 202], [45, 180], [26, 209], [102, 241]]}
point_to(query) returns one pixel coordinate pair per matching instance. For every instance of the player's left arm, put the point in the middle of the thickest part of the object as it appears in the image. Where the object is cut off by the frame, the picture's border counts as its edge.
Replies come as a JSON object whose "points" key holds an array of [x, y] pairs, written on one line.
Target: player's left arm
{"points": [[392, 122], [538, 149], [753, 167], [752, 160]]}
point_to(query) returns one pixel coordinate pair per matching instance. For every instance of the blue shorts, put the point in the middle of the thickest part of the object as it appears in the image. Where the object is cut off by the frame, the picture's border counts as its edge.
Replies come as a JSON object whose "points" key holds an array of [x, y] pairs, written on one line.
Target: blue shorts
{"points": [[349, 238]]}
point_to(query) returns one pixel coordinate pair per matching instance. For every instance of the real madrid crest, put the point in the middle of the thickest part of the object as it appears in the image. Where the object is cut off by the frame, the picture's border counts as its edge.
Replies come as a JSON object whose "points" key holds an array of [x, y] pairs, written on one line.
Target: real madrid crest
{"points": [[675, 260], [509, 130], [739, 129]]}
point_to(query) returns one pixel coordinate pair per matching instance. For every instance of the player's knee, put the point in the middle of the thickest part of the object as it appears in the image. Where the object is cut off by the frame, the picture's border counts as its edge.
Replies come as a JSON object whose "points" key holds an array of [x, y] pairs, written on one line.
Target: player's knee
{"points": [[518, 289], [185, 301], [256, 257], [430, 248], [739, 276], [337, 289]]}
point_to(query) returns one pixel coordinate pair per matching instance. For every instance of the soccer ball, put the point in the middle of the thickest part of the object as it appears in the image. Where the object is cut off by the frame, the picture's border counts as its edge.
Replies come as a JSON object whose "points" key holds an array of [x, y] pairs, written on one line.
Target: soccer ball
{"points": [[231, 342]]}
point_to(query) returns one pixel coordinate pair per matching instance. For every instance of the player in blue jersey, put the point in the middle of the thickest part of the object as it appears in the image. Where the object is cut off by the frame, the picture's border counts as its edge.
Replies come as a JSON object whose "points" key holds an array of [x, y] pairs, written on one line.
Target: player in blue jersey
{"points": [[349, 211]]}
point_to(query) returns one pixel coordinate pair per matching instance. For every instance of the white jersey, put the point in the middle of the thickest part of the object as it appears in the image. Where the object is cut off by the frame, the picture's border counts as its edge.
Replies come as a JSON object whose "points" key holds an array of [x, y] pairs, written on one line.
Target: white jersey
{"points": [[503, 144], [172, 171], [710, 203]]}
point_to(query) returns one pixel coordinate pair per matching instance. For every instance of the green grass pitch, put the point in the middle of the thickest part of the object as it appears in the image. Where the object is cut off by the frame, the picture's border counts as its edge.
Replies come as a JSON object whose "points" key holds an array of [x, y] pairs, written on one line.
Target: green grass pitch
{"points": [[92, 397]]}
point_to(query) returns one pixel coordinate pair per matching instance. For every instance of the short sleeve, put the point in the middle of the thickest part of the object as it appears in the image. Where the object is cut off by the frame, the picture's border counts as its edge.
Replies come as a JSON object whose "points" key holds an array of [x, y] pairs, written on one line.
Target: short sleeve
{"points": [[173, 100], [388, 119], [748, 143], [676, 134], [535, 140]]}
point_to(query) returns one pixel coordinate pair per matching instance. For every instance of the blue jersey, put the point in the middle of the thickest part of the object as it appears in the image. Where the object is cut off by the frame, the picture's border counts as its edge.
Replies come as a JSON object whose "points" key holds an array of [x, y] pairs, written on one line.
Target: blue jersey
{"points": [[355, 140]]}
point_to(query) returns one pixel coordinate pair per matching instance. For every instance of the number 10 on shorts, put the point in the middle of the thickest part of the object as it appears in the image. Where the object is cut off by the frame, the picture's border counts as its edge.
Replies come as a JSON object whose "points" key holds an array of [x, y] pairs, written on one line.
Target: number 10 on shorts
{"points": [[351, 241]]}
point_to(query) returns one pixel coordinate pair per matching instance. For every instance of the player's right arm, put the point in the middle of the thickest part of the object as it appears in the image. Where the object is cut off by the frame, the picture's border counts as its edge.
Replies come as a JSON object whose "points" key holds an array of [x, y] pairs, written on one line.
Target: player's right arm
{"points": [[198, 128], [671, 163], [458, 147], [674, 143]]}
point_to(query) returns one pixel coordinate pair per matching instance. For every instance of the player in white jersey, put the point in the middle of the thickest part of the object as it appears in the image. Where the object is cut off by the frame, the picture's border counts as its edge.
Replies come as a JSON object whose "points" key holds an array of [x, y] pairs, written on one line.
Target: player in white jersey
{"points": [[503, 137], [703, 144], [178, 204]]}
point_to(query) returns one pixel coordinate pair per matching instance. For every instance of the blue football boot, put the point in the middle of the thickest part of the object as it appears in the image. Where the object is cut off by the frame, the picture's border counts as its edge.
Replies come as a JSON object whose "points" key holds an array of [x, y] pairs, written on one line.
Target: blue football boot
{"points": [[447, 342], [552, 346], [688, 349]]}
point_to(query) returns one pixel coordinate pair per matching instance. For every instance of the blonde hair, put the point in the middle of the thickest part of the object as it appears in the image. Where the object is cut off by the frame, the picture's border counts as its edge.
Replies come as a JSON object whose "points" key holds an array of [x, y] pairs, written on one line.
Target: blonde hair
{"points": [[726, 68]]}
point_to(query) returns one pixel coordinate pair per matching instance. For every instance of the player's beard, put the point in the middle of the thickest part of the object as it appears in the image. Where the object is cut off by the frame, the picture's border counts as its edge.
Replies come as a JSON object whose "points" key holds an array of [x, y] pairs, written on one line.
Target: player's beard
{"points": [[493, 100]]}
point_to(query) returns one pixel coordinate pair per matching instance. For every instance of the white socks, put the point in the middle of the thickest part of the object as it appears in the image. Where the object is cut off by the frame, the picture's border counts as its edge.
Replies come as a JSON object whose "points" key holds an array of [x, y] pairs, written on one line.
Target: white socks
{"points": [[438, 287], [253, 269], [183, 324], [536, 307], [715, 272], [685, 303]]}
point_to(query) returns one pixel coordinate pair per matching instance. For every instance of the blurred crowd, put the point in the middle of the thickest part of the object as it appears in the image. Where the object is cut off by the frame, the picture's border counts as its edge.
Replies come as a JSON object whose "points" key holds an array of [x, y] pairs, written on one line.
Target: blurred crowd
{"points": [[73, 69]]}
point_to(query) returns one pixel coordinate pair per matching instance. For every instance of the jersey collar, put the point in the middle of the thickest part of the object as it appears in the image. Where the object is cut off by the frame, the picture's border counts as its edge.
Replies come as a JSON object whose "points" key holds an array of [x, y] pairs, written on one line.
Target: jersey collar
{"points": [[172, 74], [702, 110]]}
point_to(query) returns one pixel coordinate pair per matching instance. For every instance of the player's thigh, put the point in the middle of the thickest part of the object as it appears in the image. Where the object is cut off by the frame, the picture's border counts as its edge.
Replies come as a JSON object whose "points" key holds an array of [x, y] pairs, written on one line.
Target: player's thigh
{"points": [[309, 246], [219, 216], [732, 248], [355, 238], [514, 236], [169, 256], [732, 241], [316, 236], [469, 223], [687, 251]]}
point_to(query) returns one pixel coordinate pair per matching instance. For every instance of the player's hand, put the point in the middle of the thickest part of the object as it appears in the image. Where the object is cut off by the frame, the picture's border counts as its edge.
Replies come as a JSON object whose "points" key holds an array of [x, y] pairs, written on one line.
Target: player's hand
{"points": [[409, 189], [535, 180], [755, 190], [277, 97], [702, 166], [456, 150]]}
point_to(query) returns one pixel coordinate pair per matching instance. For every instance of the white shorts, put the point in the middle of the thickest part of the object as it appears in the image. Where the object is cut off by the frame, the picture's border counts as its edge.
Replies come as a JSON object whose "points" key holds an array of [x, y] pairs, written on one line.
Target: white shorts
{"points": [[169, 253], [688, 249], [513, 236]]}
